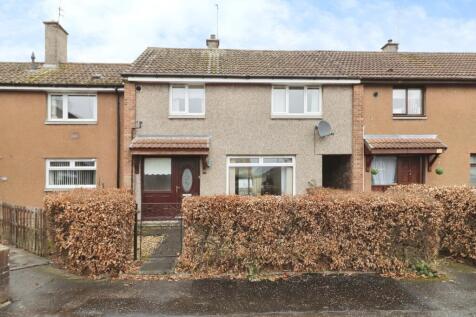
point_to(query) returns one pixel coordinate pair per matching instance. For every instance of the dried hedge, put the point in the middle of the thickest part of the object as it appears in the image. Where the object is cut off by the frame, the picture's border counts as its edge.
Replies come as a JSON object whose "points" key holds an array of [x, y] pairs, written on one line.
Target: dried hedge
{"points": [[326, 230], [92, 229], [458, 230]]}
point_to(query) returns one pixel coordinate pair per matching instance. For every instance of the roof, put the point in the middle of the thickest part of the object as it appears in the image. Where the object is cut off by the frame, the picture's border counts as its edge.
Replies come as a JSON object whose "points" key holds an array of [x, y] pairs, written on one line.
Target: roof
{"points": [[403, 143], [198, 145], [65, 74], [304, 64]]}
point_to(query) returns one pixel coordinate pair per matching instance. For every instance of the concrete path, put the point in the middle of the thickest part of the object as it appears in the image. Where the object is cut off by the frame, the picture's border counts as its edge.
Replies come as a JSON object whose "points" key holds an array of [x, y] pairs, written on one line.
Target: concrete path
{"points": [[163, 259], [20, 259], [46, 291]]}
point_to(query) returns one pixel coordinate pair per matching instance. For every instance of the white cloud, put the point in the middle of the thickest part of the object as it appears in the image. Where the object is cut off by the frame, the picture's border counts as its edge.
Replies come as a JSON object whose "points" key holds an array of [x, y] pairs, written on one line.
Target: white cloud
{"points": [[119, 30]]}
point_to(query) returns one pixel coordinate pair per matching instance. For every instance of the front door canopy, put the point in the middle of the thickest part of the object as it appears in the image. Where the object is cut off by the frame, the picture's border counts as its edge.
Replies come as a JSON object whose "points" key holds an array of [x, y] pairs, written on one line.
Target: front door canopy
{"points": [[387, 144], [170, 145]]}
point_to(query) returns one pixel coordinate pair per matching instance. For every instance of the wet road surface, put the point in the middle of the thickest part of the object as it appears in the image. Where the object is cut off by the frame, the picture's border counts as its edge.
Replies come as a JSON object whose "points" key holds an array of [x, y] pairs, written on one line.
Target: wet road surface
{"points": [[46, 291]]}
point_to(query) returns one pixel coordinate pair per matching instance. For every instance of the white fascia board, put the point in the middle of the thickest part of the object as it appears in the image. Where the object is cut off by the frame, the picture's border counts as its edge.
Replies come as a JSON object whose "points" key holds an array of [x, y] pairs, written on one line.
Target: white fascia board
{"points": [[143, 79], [57, 89]]}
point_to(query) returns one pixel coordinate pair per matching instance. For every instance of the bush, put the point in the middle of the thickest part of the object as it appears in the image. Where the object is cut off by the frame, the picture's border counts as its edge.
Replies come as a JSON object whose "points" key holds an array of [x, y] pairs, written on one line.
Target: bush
{"points": [[325, 230], [92, 229], [458, 230]]}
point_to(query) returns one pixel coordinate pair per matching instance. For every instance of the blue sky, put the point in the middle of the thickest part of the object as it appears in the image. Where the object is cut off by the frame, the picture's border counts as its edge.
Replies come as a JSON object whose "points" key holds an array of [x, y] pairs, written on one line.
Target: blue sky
{"points": [[118, 30]]}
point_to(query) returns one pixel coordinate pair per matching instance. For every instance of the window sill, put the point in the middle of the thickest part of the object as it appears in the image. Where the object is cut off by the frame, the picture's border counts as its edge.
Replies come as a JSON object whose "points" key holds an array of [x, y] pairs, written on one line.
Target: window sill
{"points": [[296, 117], [186, 116], [70, 122], [64, 189], [410, 117]]}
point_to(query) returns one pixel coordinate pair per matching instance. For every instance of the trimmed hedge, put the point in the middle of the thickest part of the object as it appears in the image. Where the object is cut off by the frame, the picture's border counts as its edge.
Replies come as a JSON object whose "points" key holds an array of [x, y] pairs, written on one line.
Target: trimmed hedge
{"points": [[326, 230], [92, 229], [458, 230]]}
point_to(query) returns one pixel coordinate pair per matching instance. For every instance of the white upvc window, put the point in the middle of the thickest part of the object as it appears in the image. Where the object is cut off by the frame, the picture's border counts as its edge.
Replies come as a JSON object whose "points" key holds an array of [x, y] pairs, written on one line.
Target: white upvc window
{"points": [[187, 100], [70, 173], [73, 107], [261, 175], [296, 101]]}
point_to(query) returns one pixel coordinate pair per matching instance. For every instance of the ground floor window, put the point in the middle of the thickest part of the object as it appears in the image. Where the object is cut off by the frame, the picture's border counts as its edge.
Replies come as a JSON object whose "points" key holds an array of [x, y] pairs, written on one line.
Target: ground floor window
{"points": [[472, 173], [70, 173], [261, 175], [384, 170]]}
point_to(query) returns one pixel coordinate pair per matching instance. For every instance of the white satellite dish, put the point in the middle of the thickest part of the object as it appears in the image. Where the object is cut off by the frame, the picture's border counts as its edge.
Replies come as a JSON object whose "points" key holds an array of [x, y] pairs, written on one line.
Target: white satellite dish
{"points": [[324, 128]]}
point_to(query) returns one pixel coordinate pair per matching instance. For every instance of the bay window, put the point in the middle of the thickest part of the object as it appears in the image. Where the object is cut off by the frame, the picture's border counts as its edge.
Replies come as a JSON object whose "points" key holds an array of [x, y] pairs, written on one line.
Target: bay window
{"points": [[256, 176], [72, 107], [296, 101]]}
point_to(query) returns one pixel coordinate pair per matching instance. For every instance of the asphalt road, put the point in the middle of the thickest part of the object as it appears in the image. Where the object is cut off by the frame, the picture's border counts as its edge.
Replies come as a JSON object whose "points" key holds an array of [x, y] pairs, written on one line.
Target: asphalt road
{"points": [[46, 291]]}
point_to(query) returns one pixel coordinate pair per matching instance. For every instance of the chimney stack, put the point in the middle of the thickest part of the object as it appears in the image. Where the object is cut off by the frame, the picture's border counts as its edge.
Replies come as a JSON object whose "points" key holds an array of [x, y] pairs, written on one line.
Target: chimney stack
{"points": [[213, 42], [56, 43], [390, 47]]}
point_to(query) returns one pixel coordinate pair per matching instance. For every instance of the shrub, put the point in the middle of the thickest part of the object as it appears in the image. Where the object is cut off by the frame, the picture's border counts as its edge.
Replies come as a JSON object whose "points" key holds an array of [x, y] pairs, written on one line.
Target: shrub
{"points": [[325, 230], [92, 229], [458, 230]]}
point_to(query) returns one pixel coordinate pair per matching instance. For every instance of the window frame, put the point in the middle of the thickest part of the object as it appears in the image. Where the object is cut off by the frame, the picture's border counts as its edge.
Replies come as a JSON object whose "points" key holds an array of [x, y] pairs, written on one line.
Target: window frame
{"points": [[260, 163], [406, 114], [65, 118], [306, 113], [471, 166], [71, 167], [186, 113]]}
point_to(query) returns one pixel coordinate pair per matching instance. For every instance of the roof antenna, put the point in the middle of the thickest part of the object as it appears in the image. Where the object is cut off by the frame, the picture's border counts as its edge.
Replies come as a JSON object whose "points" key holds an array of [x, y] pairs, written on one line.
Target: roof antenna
{"points": [[60, 11], [216, 4]]}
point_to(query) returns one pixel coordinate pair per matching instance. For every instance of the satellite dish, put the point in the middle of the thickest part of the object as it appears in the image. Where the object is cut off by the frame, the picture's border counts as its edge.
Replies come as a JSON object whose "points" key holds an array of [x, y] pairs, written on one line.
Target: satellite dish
{"points": [[324, 128]]}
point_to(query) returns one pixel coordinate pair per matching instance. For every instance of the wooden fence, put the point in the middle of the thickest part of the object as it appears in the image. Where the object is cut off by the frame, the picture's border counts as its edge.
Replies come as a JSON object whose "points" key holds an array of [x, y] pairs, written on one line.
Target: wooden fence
{"points": [[24, 228]]}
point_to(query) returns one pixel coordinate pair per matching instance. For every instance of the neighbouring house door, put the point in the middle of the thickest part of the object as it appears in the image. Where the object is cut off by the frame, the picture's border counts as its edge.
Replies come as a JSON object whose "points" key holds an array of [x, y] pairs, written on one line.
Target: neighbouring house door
{"points": [[394, 169], [165, 181], [409, 170]]}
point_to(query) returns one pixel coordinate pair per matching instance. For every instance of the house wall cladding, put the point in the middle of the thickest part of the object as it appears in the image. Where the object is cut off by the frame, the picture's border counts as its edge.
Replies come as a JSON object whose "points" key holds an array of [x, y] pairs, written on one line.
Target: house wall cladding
{"points": [[27, 142], [238, 119], [450, 113]]}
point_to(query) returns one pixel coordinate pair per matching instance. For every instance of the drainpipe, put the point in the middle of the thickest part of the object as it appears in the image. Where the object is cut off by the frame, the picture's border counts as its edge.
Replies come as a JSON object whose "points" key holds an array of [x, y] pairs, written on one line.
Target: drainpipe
{"points": [[118, 143]]}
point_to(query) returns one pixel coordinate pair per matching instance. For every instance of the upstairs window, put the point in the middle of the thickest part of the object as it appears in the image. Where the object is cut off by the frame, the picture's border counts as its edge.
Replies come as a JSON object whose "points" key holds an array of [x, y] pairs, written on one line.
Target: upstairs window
{"points": [[72, 107], [66, 174], [296, 101], [407, 102], [187, 100]]}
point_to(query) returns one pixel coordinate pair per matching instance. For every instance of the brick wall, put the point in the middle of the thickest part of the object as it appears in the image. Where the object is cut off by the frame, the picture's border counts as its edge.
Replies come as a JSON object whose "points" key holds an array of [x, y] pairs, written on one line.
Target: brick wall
{"points": [[357, 138], [127, 126]]}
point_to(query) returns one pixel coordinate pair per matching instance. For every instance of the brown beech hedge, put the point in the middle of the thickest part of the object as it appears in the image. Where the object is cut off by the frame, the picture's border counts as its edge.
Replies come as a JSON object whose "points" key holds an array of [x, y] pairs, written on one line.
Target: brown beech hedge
{"points": [[458, 230], [92, 229], [325, 230]]}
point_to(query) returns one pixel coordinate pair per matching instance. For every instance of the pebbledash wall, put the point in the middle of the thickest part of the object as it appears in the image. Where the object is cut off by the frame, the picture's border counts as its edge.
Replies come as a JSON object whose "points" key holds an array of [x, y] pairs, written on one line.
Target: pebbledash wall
{"points": [[450, 113], [27, 142], [238, 120]]}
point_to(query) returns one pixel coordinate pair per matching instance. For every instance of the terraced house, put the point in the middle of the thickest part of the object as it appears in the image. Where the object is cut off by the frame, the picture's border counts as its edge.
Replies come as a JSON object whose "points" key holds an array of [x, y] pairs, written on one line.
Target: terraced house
{"points": [[181, 122], [217, 121], [58, 123]]}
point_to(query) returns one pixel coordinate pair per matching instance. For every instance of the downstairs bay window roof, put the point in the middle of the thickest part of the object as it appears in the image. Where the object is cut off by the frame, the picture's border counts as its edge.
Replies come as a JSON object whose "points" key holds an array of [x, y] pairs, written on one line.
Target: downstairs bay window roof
{"points": [[170, 145], [403, 144]]}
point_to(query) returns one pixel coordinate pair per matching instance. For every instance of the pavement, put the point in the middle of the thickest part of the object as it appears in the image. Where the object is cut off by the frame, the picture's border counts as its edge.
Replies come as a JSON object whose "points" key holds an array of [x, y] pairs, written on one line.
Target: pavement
{"points": [[46, 291], [162, 260]]}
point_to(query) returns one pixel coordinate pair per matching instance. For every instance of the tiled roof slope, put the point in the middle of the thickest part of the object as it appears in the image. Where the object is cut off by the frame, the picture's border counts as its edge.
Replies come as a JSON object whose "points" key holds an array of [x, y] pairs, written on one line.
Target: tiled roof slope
{"points": [[66, 74], [374, 142], [304, 64]]}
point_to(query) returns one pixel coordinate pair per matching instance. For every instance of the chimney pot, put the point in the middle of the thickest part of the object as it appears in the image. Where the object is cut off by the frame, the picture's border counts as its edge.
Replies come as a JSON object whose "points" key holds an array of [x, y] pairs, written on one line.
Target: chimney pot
{"points": [[213, 42], [56, 43], [390, 46]]}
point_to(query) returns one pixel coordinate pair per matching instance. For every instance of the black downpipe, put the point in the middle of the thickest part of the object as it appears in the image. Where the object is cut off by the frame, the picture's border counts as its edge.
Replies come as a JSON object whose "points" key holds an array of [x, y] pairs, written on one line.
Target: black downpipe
{"points": [[118, 132]]}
